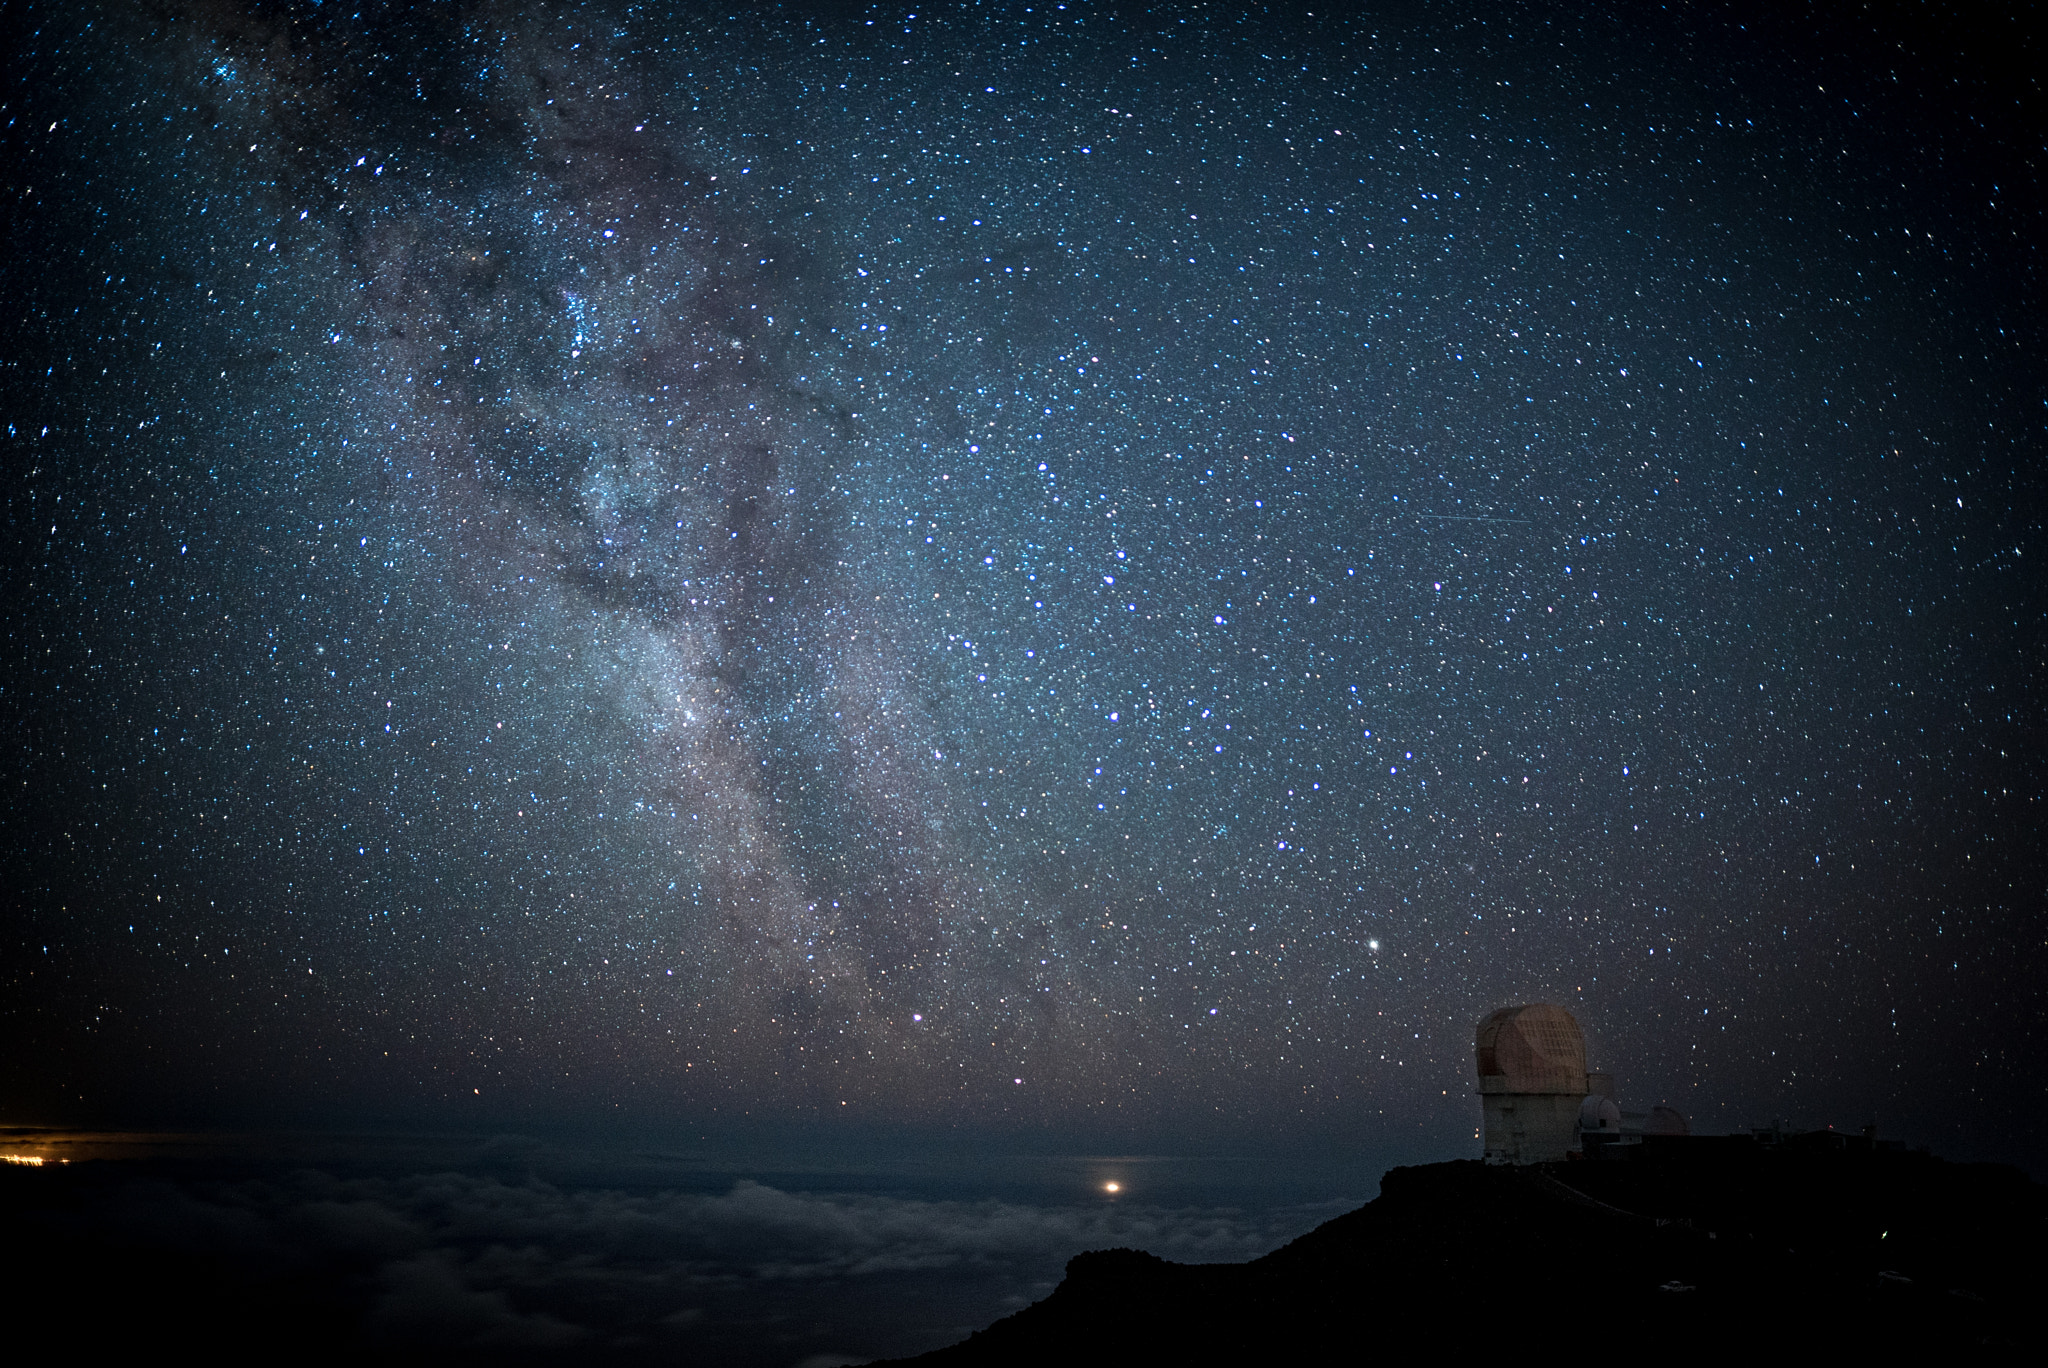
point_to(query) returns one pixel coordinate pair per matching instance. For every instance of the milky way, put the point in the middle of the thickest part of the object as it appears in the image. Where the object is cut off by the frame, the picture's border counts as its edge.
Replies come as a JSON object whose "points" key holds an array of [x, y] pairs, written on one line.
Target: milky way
{"points": [[1026, 563]]}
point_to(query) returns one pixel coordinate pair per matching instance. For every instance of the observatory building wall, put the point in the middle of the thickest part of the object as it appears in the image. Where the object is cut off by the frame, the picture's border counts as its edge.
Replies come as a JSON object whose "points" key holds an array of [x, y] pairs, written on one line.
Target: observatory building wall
{"points": [[1531, 1128]]}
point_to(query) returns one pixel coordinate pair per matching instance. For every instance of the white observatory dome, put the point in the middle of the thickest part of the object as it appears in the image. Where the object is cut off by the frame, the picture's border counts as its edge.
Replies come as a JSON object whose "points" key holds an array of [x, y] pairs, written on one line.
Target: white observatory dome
{"points": [[1599, 1113]]}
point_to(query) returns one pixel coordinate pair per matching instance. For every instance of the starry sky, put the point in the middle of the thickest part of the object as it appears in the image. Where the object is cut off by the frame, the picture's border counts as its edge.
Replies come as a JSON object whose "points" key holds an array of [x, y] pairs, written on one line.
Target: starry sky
{"points": [[1049, 568]]}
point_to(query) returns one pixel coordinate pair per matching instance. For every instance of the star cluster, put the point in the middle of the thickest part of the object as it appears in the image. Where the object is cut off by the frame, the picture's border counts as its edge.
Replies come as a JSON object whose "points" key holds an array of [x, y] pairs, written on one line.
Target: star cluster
{"points": [[1027, 563]]}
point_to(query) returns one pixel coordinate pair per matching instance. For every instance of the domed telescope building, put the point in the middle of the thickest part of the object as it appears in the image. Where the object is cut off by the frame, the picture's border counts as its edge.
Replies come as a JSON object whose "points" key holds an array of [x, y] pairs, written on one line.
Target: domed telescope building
{"points": [[1532, 1083]]}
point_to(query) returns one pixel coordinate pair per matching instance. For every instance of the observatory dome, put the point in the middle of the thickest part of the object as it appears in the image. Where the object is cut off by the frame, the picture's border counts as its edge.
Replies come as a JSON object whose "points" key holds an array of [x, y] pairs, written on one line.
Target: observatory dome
{"points": [[1666, 1121], [1537, 1048], [1599, 1113]]}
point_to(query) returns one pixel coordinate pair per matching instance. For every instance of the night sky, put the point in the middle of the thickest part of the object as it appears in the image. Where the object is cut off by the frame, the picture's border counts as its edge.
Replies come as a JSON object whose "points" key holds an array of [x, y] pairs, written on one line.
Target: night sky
{"points": [[1047, 569]]}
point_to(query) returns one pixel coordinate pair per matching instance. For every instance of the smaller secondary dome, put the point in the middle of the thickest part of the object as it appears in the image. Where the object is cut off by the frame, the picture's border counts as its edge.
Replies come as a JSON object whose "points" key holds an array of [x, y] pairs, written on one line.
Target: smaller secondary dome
{"points": [[1665, 1121], [1599, 1113], [1536, 1048]]}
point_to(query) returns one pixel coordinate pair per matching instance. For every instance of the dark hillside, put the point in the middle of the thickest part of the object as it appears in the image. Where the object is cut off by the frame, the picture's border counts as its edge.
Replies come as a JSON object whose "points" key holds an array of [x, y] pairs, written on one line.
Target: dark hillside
{"points": [[1707, 1249]]}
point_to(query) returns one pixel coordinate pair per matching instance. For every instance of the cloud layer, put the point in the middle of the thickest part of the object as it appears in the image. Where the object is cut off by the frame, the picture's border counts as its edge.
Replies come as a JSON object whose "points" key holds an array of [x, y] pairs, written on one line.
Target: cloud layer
{"points": [[456, 1261]]}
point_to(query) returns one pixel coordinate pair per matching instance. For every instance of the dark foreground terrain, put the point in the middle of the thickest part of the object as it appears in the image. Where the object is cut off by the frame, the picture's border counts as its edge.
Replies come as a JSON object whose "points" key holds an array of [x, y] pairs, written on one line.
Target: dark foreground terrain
{"points": [[1696, 1249]]}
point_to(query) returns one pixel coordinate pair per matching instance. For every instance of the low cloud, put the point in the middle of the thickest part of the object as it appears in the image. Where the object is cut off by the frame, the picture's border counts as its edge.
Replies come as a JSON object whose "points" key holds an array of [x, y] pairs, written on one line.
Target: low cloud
{"points": [[430, 1301], [752, 1274]]}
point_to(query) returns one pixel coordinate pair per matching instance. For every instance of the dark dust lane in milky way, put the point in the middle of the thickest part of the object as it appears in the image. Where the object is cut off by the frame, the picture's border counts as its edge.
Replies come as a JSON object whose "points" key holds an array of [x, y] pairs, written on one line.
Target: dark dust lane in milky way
{"points": [[602, 428], [559, 379]]}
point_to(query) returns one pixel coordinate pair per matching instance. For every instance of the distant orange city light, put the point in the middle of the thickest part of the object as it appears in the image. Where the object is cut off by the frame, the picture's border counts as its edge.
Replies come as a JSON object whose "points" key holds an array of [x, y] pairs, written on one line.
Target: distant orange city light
{"points": [[1106, 1187]]}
